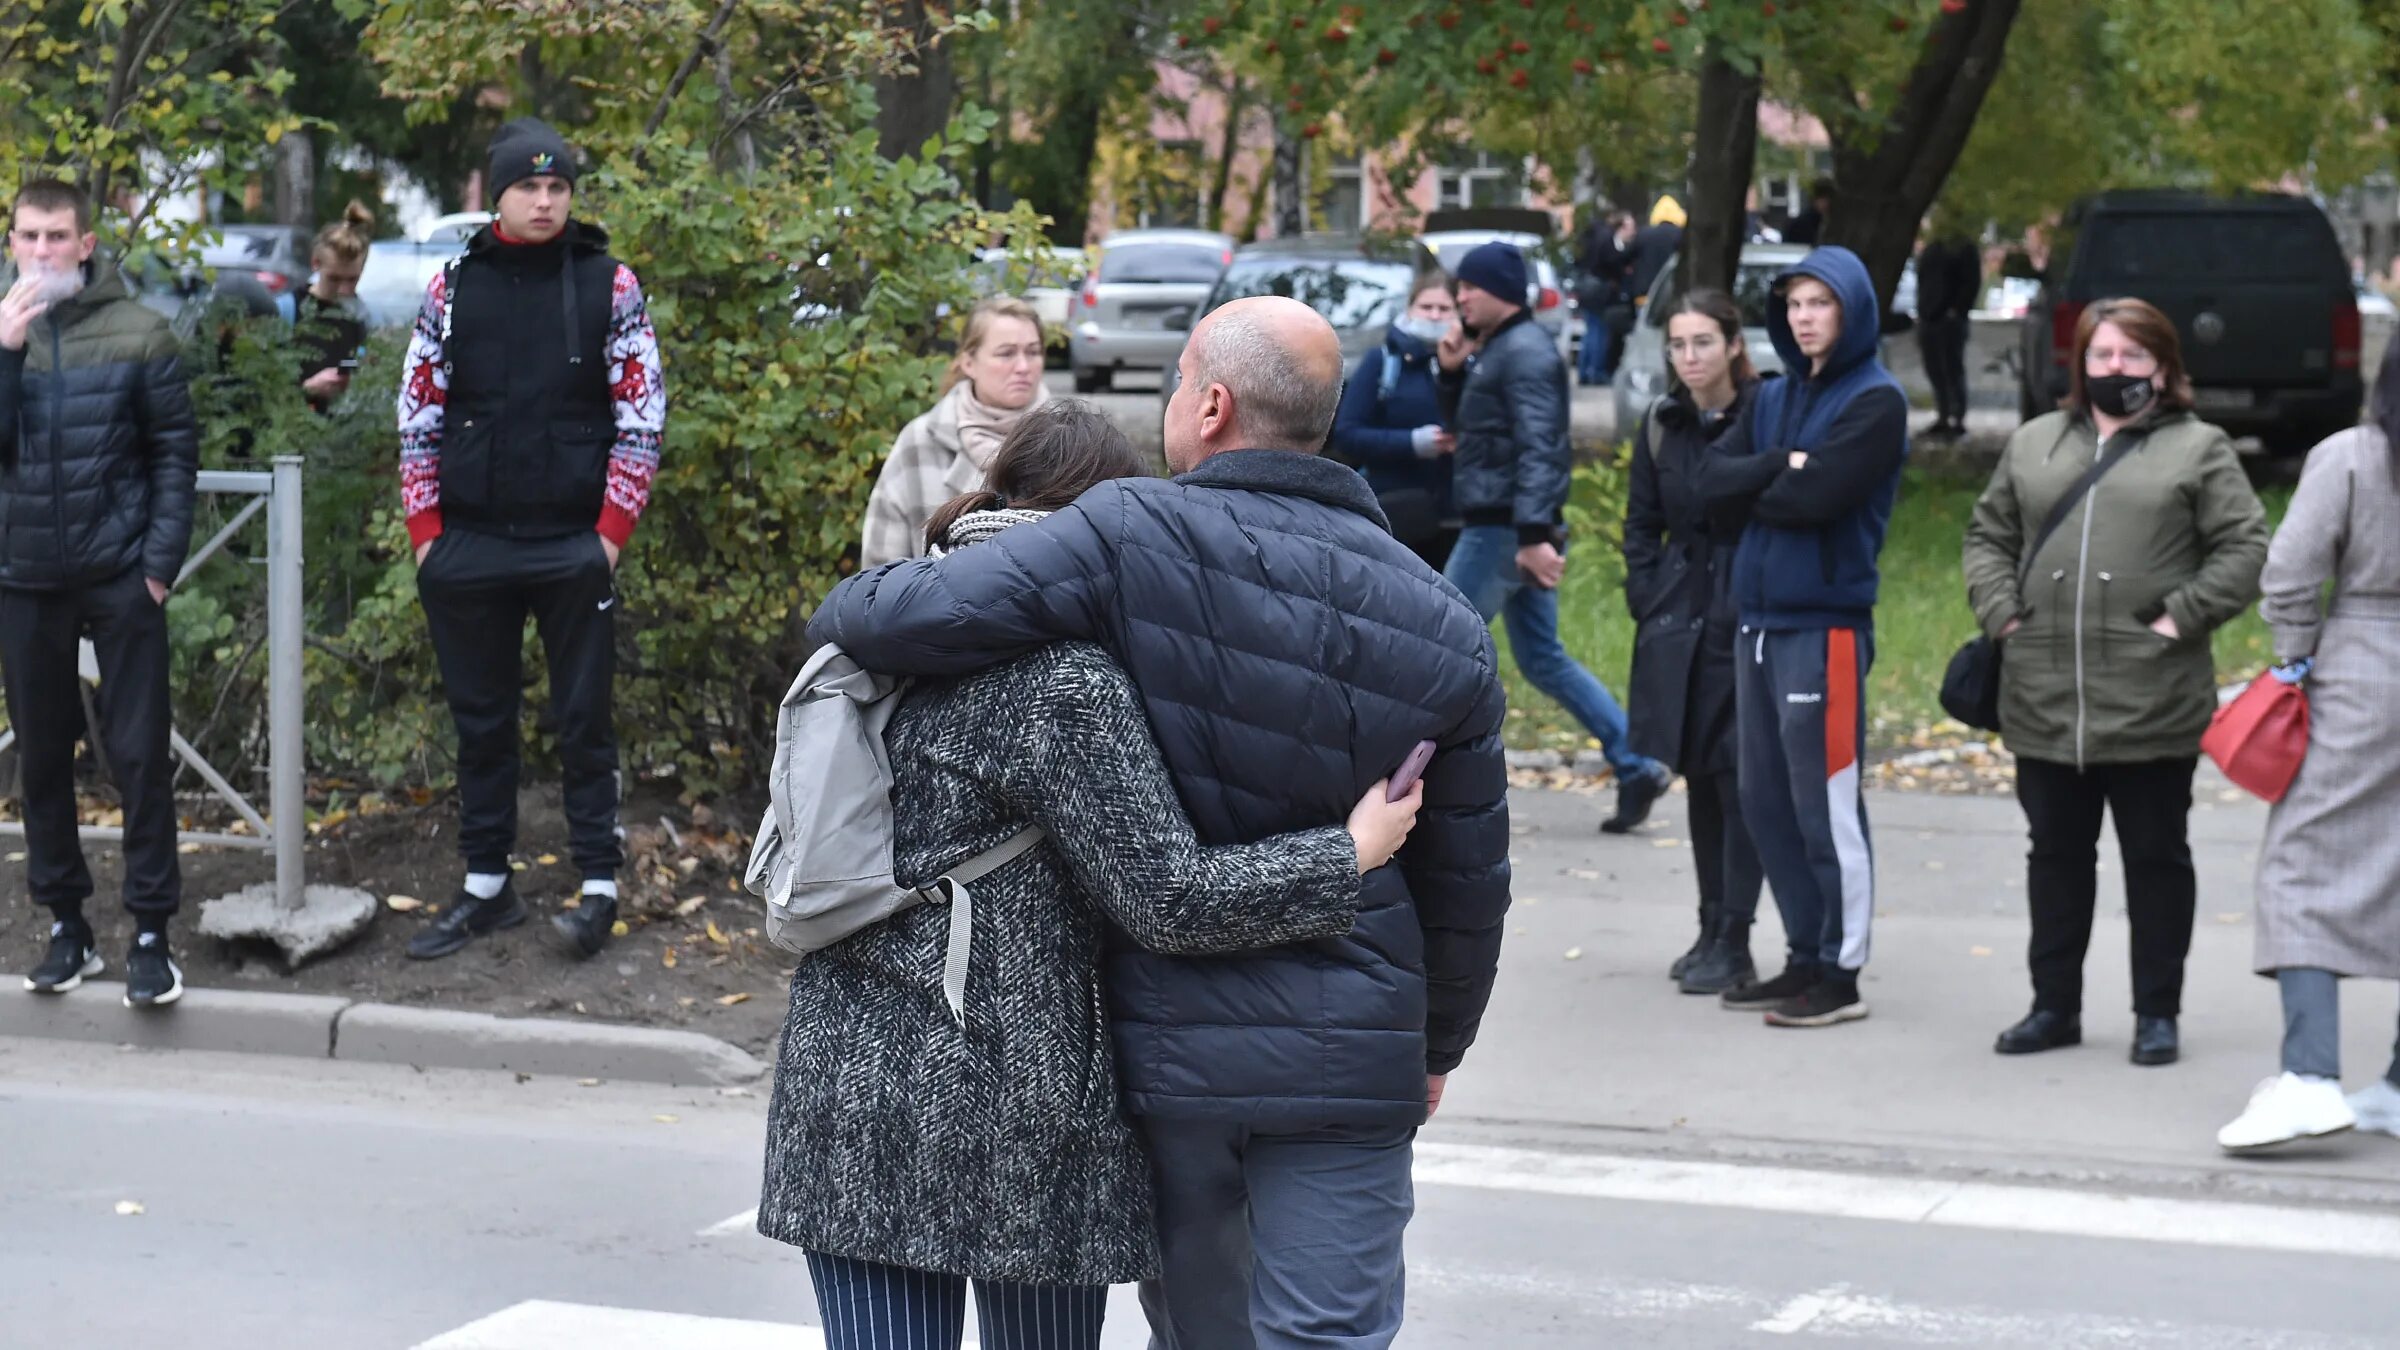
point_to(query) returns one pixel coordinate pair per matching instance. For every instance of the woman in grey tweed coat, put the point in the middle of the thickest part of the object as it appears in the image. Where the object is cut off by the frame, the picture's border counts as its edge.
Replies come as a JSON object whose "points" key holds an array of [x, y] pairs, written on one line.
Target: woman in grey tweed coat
{"points": [[2329, 872], [907, 1153]]}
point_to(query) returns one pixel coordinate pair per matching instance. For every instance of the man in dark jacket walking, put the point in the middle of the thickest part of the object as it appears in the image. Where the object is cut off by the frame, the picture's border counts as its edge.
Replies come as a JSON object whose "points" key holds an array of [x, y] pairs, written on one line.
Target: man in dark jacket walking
{"points": [[1605, 263], [1817, 462], [1508, 407], [1949, 281], [1289, 653], [100, 456], [531, 413]]}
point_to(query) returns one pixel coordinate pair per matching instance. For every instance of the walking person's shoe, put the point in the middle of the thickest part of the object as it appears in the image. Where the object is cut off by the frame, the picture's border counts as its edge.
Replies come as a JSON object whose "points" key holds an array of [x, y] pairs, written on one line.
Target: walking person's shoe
{"points": [[1635, 797], [2155, 1041], [2377, 1107], [469, 916], [72, 959], [2041, 1030], [1724, 966], [585, 929], [2285, 1109], [152, 979], [1760, 995], [1829, 1002]]}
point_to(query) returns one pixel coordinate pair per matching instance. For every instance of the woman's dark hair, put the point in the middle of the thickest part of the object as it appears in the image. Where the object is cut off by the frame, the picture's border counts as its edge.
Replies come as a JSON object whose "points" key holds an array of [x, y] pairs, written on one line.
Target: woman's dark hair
{"points": [[1720, 309], [2142, 322], [1056, 453]]}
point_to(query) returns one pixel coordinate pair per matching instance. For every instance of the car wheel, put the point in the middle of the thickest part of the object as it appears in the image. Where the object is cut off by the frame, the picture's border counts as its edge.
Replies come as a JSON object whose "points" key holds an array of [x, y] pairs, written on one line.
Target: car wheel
{"points": [[1093, 381]]}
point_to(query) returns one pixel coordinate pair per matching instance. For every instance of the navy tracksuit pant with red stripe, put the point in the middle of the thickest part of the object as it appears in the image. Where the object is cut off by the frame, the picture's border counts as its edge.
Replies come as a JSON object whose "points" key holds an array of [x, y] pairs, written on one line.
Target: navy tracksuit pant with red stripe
{"points": [[1800, 695]]}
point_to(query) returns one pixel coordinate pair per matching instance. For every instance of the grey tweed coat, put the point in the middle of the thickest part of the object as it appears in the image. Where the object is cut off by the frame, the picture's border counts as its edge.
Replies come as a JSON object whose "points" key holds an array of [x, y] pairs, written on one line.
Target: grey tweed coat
{"points": [[999, 1151], [2329, 872]]}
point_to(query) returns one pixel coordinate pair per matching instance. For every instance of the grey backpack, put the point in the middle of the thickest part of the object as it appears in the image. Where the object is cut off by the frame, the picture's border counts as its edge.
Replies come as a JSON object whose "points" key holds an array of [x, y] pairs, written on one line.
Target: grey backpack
{"points": [[823, 857]]}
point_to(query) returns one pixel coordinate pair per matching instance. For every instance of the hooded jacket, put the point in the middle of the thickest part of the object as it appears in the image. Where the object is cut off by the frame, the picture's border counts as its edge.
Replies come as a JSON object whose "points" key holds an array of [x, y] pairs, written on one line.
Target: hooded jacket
{"points": [[1808, 556], [1508, 408], [1395, 390], [99, 452]]}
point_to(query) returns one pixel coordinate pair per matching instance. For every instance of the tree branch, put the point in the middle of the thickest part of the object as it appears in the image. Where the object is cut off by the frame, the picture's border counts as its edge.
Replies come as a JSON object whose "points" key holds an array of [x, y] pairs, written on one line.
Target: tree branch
{"points": [[691, 62]]}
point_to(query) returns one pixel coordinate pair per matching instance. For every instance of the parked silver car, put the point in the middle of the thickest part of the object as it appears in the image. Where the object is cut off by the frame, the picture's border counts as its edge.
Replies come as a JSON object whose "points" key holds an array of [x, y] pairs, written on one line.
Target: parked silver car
{"points": [[398, 270], [1359, 285], [1142, 277]]}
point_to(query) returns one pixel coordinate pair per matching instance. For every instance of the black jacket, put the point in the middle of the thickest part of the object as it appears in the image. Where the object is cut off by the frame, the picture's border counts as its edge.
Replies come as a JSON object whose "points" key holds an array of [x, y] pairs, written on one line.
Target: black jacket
{"points": [[99, 453], [1949, 279], [1679, 586], [1508, 408], [1654, 246], [1289, 653], [1605, 266]]}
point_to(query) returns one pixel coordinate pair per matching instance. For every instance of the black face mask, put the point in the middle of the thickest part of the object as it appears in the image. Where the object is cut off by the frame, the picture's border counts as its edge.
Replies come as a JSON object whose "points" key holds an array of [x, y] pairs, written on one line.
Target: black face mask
{"points": [[2120, 395]]}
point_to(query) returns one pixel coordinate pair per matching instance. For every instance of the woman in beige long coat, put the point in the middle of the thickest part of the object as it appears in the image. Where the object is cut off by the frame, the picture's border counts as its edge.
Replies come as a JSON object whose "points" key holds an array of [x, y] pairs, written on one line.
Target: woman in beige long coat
{"points": [[2329, 873], [994, 381]]}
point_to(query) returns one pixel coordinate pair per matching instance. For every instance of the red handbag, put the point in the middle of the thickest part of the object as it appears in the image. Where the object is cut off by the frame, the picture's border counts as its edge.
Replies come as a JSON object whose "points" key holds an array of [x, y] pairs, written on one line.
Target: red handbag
{"points": [[2260, 738]]}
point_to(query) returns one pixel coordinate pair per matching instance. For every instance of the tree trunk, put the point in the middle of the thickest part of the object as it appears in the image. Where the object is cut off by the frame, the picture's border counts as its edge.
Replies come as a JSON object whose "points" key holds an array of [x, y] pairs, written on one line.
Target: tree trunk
{"points": [[296, 179], [1724, 152], [1291, 192], [914, 107], [1228, 146], [1063, 191], [1884, 185]]}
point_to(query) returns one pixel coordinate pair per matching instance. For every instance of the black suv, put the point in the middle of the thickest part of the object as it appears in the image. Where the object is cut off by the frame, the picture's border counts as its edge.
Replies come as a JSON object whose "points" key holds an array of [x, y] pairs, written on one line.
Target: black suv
{"points": [[2258, 290]]}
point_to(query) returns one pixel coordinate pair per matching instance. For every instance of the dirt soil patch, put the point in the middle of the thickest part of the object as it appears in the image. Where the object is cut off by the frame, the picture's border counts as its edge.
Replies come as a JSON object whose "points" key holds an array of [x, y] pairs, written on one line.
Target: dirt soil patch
{"points": [[693, 955]]}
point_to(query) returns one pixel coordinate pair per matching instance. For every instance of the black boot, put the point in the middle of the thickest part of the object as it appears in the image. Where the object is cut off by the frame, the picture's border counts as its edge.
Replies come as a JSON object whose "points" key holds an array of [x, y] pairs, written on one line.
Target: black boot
{"points": [[467, 918], [1725, 965], [1699, 947], [1635, 797], [585, 929]]}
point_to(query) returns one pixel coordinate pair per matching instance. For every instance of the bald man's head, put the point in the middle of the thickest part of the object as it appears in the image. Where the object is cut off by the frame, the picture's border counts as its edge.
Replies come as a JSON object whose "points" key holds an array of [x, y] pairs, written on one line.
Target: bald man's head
{"points": [[1283, 365]]}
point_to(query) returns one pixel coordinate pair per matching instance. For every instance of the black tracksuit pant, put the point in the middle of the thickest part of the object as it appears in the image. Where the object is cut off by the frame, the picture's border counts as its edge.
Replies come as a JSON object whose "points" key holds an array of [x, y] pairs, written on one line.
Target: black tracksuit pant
{"points": [[477, 590], [39, 631], [2152, 804], [1944, 345]]}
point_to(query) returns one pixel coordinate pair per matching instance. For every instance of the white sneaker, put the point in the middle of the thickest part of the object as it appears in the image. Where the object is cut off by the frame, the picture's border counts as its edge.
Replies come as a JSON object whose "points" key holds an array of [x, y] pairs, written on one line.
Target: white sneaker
{"points": [[2377, 1107], [2288, 1108]]}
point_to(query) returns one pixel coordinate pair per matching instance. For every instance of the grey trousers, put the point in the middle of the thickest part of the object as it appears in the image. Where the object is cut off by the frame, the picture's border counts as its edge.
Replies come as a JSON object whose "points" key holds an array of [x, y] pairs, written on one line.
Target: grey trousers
{"points": [[2312, 1024]]}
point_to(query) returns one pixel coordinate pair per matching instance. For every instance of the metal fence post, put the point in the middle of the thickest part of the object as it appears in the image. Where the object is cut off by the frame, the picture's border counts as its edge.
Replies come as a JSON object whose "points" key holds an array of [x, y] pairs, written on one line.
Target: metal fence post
{"points": [[287, 760]]}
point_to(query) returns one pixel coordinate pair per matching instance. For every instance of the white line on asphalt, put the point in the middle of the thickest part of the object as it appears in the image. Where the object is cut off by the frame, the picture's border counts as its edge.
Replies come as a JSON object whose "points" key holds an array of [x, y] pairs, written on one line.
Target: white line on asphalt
{"points": [[744, 1222], [2021, 1209], [1793, 1316], [543, 1325]]}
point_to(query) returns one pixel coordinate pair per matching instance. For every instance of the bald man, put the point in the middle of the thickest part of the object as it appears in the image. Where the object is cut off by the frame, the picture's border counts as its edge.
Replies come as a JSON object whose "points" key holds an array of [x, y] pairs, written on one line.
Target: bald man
{"points": [[1290, 654]]}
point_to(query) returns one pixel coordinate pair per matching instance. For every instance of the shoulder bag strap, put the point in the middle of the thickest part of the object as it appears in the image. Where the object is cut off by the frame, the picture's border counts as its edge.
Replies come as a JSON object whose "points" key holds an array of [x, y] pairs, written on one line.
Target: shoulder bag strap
{"points": [[2066, 504]]}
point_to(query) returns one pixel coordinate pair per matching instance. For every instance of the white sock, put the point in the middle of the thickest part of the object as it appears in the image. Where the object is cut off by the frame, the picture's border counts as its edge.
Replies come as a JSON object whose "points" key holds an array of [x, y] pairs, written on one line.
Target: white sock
{"points": [[485, 885], [599, 887]]}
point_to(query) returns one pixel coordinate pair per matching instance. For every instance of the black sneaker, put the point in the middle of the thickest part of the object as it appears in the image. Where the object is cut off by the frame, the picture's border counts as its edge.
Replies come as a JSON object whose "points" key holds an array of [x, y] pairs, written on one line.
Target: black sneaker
{"points": [[468, 918], [1760, 995], [585, 929], [1724, 966], [1635, 797], [72, 960], [1831, 1000], [152, 979]]}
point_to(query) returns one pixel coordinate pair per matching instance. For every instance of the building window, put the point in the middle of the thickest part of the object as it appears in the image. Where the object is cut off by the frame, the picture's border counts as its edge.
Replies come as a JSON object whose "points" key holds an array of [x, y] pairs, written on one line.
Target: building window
{"points": [[1342, 204], [1170, 187], [1483, 179]]}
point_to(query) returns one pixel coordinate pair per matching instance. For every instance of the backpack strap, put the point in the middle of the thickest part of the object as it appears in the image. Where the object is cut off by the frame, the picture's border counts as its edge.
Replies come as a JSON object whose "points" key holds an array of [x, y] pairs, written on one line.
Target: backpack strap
{"points": [[450, 272], [951, 888]]}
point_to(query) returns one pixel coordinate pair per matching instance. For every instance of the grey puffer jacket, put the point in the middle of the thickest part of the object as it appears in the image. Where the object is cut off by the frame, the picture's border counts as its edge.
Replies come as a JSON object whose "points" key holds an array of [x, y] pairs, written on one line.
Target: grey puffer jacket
{"points": [[997, 1149], [1508, 408], [99, 453]]}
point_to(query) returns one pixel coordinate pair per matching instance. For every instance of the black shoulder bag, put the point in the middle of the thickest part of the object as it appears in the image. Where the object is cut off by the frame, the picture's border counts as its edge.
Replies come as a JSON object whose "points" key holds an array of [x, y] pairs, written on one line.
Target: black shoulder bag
{"points": [[1971, 686]]}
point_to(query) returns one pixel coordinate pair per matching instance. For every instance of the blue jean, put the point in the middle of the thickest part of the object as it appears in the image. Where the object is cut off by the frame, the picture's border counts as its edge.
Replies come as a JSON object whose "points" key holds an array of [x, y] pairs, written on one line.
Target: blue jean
{"points": [[1592, 363], [1483, 566], [1278, 1241], [867, 1305]]}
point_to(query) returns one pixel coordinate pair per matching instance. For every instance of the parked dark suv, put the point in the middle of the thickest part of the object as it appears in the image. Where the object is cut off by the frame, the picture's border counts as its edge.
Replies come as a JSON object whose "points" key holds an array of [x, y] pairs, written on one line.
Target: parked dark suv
{"points": [[2258, 290]]}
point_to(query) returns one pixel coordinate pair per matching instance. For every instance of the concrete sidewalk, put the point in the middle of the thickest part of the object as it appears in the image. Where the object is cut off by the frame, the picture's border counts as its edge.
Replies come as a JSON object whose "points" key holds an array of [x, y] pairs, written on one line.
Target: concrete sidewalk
{"points": [[1587, 1040]]}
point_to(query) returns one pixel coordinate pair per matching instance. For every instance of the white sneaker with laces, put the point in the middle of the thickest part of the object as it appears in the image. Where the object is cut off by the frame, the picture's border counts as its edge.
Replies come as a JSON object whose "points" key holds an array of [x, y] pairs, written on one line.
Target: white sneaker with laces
{"points": [[2377, 1107], [2288, 1108]]}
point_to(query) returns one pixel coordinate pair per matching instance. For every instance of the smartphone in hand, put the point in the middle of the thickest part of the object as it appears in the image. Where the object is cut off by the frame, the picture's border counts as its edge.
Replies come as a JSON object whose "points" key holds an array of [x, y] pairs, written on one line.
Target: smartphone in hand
{"points": [[1411, 769]]}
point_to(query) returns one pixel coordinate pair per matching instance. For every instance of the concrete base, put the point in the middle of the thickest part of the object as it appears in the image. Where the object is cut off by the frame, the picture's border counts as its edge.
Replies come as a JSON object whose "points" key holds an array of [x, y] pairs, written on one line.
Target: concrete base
{"points": [[328, 917]]}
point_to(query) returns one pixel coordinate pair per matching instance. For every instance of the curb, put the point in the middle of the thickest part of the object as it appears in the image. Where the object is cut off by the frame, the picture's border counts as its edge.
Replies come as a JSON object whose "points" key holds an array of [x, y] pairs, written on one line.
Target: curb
{"points": [[311, 1026]]}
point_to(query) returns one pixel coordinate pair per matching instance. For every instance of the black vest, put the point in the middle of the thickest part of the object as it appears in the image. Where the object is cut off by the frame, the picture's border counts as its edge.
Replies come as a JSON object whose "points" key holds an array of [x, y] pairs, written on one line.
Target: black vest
{"points": [[530, 420]]}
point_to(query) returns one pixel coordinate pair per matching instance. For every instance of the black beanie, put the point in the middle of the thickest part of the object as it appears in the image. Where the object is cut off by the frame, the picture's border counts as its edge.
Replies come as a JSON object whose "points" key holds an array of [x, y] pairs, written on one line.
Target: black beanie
{"points": [[1497, 268], [528, 148]]}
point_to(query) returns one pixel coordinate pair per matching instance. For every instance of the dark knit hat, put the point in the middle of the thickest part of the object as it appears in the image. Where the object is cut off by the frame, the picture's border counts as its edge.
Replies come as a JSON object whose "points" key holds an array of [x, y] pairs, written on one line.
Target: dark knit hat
{"points": [[1497, 268], [528, 148]]}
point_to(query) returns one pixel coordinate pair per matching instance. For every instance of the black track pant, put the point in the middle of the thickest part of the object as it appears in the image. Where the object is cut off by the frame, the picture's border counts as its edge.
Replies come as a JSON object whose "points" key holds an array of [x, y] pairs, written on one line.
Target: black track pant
{"points": [[2152, 805], [39, 631], [477, 590]]}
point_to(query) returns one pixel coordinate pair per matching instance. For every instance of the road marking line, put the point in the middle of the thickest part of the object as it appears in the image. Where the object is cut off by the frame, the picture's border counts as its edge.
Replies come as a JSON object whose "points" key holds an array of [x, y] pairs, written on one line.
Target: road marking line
{"points": [[2020, 1209], [744, 1222], [542, 1325], [1794, 1317]]}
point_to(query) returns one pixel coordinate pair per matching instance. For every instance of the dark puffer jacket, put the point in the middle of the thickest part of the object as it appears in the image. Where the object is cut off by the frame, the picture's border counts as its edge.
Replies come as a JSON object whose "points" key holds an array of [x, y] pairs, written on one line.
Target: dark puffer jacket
{"points": [[1289, 653], [1508, 408], [98, 450]]}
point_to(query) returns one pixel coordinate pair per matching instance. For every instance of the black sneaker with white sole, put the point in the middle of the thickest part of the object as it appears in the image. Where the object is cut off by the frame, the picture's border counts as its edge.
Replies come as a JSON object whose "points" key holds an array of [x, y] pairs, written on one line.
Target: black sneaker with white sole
{"points": [[1829, 1002], [72, 960], [1760, 995], [152, 979]]}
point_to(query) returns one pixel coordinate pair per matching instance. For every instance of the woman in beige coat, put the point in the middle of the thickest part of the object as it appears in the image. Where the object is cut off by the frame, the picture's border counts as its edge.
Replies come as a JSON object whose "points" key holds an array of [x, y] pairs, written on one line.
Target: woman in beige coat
{"points": [[994, 381], [2329, 873]]}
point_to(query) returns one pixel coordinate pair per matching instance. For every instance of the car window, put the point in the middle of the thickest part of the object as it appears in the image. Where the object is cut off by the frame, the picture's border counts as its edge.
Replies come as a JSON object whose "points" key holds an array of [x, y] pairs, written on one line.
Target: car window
{"points": [[1350, 293], [1162, 264], [2235, 246], [1753, 290]]}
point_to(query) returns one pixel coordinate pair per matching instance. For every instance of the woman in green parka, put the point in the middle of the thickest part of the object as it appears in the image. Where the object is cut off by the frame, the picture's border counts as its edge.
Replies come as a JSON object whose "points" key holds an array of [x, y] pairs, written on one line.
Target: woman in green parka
{"points": [[2108, 681]]}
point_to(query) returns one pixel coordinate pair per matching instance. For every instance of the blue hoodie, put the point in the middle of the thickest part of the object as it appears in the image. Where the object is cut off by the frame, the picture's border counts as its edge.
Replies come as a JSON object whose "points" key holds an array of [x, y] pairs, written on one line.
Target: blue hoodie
{"points": [[1390, 394], [1807, 558]]}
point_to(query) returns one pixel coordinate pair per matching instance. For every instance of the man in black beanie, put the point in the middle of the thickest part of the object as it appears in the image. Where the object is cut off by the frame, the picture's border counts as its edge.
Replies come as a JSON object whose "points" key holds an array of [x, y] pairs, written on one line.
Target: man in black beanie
{"points": [[531, 413]]}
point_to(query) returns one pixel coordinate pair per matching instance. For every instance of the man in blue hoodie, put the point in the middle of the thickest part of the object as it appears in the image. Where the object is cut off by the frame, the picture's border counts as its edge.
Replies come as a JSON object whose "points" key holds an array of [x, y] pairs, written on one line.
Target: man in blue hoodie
{"points": [[1817, 464]]}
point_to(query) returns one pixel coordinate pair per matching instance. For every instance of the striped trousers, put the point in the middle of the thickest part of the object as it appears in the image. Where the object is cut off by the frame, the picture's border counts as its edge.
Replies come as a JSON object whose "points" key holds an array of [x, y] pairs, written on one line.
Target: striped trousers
{"points": [[1800, 699], [870, 1306]]}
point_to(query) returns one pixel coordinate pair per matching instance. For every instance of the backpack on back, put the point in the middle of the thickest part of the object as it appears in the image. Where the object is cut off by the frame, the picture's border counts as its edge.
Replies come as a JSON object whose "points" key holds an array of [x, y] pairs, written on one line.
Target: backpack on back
{"points": [[823, 856]]}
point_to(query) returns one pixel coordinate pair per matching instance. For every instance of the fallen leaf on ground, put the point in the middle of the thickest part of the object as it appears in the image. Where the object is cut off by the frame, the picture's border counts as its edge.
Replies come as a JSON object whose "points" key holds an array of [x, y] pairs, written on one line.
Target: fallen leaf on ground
{"points": [[1583, 874], [1666, 843], [1979, 951], [730, 999], [686, 1002], [548, 860], [587, 1082], [1574, 953], [666, 1120], [571, 902], [518, 865], [2229, 918], [579, 1009], [684, 908], [619, 929], [716, 937], [402, 904], [16, 857], [1935, 865], [667, 958], [129, 1208]]}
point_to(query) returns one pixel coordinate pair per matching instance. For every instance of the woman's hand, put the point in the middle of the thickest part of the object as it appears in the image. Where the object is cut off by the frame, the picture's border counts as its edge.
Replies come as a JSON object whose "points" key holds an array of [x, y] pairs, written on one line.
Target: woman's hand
{"points": [[2009, 630], [1379, 827]]}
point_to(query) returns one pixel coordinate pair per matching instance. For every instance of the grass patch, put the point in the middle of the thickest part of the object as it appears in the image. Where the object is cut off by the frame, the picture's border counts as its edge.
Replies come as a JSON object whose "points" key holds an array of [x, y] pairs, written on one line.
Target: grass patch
{"points": [[1921, 619]]}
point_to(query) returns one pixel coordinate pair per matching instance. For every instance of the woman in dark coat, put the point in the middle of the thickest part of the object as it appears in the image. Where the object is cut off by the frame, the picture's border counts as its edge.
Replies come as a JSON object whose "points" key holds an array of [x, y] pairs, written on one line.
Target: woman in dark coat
{"points": [[1679, 584], [1389, 424], [909, 1152]]}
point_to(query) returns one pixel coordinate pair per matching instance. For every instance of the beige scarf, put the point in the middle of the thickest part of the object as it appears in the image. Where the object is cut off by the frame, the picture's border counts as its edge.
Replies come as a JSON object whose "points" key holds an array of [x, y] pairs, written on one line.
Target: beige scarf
{"points": [[981, 427]]}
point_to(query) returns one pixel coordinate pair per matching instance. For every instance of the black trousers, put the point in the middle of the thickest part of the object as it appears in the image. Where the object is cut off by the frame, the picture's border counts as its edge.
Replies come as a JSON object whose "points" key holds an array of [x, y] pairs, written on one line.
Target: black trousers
{"points": [[1944, 344], [39, 631], [1730, 875], [477, 590], [2152, 805]]}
